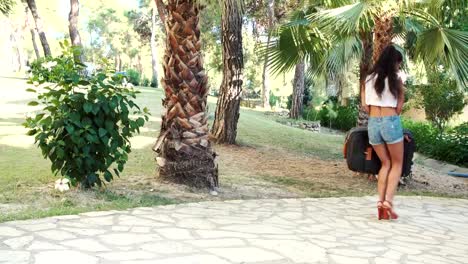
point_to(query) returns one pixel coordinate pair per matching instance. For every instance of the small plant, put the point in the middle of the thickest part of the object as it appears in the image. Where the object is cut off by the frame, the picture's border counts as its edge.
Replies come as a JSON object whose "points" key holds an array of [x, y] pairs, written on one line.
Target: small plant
{"points": [[85, 125]]}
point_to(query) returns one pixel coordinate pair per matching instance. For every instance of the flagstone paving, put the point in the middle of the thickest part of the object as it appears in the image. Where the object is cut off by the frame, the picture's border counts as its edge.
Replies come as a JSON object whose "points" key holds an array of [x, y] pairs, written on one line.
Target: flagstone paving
{"points": [[330, 230]]}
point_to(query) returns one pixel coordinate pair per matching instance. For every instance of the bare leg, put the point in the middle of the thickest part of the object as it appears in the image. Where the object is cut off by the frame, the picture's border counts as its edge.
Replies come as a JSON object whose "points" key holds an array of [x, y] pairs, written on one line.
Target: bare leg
{"points": [[384, 170], [396, 156]]}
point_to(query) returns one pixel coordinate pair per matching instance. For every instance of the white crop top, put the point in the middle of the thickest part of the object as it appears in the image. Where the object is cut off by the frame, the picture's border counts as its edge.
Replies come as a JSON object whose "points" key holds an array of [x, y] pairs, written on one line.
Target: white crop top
{"points": [[387, 99]]}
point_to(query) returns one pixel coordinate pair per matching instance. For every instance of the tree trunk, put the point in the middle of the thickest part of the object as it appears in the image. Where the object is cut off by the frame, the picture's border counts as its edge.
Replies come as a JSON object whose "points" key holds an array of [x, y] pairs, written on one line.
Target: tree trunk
{"points": [[265, 87], [298, 91], [33, 34], [383, 32], [139, 65], [39, 27], [73, 29], [185, 154], [227, 110], [154, 56], [364, 67], [18, 58]]}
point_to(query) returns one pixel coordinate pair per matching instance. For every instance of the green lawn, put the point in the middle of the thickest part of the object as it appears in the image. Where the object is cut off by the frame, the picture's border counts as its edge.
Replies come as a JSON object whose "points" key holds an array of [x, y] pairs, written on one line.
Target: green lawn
{"points": [[272, 161]]}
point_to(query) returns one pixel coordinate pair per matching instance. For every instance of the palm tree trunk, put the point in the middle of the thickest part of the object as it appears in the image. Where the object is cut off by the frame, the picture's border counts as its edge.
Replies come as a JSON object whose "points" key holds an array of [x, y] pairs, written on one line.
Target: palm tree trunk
{"points": [[33, 33], [227, 111], [185, 154], [383, 32], [39, 27], [73, 29], [364, 67], [298, 91], [154, 56], [265, 87]]}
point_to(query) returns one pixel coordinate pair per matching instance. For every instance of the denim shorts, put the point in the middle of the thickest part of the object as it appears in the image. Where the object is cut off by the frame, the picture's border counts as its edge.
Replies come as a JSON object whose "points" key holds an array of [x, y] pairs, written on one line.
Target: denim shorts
{"points": [[386, 129]]}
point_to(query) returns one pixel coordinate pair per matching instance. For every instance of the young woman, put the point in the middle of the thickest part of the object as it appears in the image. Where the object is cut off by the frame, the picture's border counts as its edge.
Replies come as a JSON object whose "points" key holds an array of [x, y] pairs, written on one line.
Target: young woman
{"points": [[384, 101]]}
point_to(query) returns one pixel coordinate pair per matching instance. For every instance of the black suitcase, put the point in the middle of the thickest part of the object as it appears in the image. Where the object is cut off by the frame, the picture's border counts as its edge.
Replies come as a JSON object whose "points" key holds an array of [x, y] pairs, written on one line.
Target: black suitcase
{"points": [[361, 157]]}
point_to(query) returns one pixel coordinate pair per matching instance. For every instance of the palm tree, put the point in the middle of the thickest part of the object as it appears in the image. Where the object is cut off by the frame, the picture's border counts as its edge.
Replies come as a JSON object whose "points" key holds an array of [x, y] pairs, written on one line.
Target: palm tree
{"points": [[436, 43], [298, 91], [40, 30], [184, 150], [227, 110]]}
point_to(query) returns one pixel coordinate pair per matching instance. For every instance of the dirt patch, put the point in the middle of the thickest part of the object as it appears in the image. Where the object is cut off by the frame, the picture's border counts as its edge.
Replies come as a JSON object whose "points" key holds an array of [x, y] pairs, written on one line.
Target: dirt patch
{"points": [[249, 173]]}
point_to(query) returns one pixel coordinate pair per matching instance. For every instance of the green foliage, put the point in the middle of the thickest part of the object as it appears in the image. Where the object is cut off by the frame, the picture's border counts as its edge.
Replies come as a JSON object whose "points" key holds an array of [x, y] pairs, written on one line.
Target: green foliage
{"points": [[451, 146], [441, 99], [50, 69], [134, 76], [85, 125], [334, 115], [6, 6], [146, 82], [274, 100]]}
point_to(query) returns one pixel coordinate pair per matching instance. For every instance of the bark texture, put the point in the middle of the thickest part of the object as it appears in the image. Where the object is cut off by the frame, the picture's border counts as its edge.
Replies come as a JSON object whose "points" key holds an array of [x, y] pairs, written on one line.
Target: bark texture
{"points": [[33, 34], [227, 110], [40, 28], [265, 87], [364, 67], [383, 32], [154, 55], [298, 91], [73, 29], [185, 154]]}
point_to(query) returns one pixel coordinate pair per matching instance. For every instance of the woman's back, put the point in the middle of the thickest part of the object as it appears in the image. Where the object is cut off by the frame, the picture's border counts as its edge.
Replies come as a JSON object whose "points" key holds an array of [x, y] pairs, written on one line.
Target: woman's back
{"points": [[387, 99]]}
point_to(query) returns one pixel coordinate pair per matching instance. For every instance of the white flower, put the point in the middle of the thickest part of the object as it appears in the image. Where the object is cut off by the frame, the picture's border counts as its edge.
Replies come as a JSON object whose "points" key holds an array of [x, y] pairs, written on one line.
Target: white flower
{"points": [[62, 184], [36, 83], [49, 65]]}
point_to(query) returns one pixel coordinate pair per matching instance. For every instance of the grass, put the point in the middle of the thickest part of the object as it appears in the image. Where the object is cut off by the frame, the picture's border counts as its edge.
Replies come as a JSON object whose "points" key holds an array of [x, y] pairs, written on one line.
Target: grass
{"points": [[272, 161]]}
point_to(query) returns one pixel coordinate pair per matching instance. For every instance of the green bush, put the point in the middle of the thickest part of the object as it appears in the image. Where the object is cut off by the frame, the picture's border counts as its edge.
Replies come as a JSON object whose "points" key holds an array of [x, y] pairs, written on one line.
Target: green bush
{"points": [[451, 146], [133, 76], [441, 99], [146, 82], [85, 125], [333, 115], [274, 99]]}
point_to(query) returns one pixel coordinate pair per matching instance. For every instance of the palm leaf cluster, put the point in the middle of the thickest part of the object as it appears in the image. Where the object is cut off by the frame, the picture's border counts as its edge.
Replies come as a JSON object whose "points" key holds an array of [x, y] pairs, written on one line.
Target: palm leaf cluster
{"points": [[6, 6], [329, 38]]}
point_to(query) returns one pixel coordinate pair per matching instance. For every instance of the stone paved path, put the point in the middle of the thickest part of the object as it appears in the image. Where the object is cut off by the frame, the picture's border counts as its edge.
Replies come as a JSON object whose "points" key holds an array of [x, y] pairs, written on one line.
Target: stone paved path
{"points": [[333, 230]]}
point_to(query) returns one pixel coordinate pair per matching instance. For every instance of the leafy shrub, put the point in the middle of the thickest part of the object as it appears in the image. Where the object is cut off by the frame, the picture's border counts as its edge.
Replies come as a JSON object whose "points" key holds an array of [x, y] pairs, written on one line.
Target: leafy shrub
{"points": [[85, 125], [451, 146], [333, 115], [146, 82], [274, 99], [133, 76], [441, 99]]}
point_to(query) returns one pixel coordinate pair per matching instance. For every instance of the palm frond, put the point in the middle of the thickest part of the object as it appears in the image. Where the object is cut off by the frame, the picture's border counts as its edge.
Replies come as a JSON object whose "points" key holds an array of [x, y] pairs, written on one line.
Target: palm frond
{"points": [[293, 41], [347, 20], [6, 6], [438, 44]]}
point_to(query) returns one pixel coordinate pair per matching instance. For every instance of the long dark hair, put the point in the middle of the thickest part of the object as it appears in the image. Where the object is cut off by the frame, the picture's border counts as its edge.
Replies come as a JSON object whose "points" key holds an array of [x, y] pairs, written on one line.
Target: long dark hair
{"points": [[386, 66]]}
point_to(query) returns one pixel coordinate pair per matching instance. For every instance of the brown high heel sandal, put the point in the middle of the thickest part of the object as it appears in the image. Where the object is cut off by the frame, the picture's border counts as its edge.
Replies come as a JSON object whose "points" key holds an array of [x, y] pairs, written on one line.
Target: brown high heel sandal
{"points": [[388, 208], [381, 212]]}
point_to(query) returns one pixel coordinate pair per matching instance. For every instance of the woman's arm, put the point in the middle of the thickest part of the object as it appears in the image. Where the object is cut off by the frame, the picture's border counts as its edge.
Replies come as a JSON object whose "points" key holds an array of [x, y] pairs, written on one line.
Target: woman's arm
{"points": [[401, 99], [363, 99]]}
